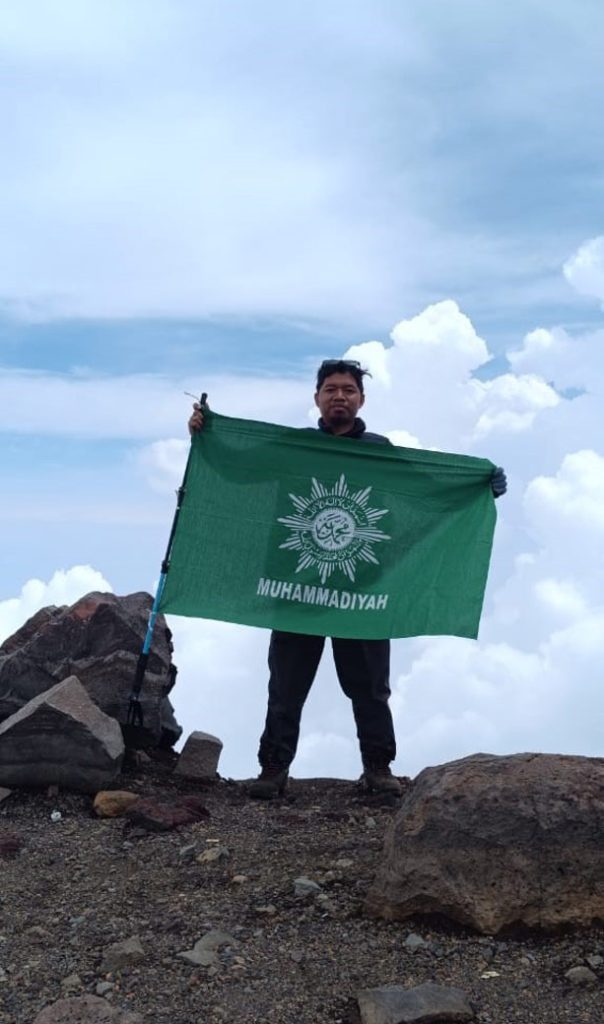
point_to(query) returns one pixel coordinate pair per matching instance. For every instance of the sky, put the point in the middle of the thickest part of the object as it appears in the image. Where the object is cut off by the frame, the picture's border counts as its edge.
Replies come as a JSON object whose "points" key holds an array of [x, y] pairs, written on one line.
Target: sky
{"points": [[198, 196]]}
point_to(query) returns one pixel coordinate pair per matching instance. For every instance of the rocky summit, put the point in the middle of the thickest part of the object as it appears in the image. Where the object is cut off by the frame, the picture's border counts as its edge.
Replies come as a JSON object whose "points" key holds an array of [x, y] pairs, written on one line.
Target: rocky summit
{"points": [[206, 906]]}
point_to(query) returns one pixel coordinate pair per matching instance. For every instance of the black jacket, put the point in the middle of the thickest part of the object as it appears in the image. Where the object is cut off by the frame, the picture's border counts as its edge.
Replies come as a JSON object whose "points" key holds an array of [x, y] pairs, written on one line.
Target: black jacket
{"points": [[358, 431]]}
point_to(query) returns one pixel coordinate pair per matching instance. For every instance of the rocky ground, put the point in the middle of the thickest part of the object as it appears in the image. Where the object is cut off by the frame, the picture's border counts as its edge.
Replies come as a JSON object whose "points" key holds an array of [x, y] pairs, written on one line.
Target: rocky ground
{"points": [[289, 953]]}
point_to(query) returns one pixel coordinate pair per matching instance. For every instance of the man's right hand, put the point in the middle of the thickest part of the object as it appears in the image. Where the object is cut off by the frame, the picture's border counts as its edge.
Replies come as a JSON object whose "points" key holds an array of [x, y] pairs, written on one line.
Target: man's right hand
{"points": [[196, 419]]}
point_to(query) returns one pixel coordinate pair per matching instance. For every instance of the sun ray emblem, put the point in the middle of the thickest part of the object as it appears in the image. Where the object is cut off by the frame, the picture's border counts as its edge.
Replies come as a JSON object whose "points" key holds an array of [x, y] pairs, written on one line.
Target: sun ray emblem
{"points": [[333, 528]]}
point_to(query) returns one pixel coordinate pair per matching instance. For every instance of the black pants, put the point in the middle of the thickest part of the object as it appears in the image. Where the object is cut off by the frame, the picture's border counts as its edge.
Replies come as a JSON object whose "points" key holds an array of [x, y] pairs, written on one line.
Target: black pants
{"points": [[363, 668]]}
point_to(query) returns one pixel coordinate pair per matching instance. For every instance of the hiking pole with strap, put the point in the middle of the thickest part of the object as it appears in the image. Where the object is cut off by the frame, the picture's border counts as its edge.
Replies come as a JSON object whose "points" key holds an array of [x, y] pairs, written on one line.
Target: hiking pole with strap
{"points": [[134, 730]]}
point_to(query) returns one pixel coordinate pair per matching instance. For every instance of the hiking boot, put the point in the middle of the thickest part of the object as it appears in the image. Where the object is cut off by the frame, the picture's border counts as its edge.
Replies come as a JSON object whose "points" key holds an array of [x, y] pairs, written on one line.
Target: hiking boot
{"points": [[271, 782], [379, 779]]}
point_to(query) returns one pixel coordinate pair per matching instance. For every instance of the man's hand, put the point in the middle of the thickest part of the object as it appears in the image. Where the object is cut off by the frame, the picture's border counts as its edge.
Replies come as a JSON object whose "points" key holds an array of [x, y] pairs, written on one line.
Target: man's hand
{"points": [[499, 482], [196, 419]]}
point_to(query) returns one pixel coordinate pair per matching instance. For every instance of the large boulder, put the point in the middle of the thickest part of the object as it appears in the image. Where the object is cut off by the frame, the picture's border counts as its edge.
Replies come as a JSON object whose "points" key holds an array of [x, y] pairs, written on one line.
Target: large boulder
{"points": [[61, 738], [98, 639], [493, 842]]}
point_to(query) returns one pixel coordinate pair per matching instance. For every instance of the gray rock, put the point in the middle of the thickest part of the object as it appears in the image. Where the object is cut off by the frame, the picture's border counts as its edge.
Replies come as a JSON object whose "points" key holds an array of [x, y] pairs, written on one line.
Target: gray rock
{"points": [[205, 950], [90, 1009], [213, 854], [581, 976], [492, 842], [72, 983], [98, 639], [422, 1005], [122, 954], [199, 757], [306, 887], [61, 737], [103, 988], [594, 961], [4, 793], [414, 942]]}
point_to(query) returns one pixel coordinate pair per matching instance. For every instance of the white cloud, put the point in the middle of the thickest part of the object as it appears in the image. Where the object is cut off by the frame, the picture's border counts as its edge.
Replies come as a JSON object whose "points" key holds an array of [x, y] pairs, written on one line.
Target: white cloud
{"points": [[135, 406], [585, 268], [511, 403], [574, 498], [561, 596], [403, 439], [538, 347], [167, 158], [64, 588], [443, 329], [163, 464], [424, 385]]}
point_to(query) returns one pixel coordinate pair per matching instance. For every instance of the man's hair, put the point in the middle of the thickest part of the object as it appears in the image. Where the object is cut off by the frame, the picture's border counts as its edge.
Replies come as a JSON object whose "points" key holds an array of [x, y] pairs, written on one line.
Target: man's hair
{"points": [[351, 366]]}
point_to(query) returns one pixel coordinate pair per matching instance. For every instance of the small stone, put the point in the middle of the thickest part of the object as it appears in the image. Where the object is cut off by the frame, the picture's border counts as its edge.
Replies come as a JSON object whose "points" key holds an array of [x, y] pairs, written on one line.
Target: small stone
{"points": [[581, 976], [370, 823], [187, 852], [199, 757], [343, 863], [103, 987], [4, 793], [413, 942], [213, 854], [594, 961], [55, 816], [88, 1008], [158, 816], [239, 879], [111, 803], [305, 886], [420, 1005], [122, 954], [10, 844], [72, 983], [297, 956], [270, 909], [205, 950]]}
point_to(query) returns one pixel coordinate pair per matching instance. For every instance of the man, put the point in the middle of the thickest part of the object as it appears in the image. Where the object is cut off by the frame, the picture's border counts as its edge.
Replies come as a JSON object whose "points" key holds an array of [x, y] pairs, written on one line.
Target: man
{"points": [[362, 666]]}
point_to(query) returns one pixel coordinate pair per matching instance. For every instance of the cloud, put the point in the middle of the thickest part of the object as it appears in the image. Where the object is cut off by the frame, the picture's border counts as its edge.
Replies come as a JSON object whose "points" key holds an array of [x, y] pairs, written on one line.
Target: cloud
{"points": [[173, 159], [585, 268], [425, 385], [573, 499], [511, 403], [134, 406], [163, 464], [64, 588]]}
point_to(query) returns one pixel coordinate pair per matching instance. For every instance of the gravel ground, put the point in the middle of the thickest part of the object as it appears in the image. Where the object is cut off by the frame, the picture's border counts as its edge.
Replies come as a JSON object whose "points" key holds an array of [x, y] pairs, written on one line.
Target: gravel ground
{"points": [[78, 885]]}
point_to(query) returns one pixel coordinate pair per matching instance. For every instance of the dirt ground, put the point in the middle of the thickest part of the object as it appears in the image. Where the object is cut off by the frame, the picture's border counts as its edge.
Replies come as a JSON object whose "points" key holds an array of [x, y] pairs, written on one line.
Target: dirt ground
{"points": [[293, 954]]}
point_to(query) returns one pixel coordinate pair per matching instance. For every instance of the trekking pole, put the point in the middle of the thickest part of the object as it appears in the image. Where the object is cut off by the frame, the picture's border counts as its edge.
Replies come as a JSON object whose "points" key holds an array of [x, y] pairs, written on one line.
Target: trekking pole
{"points": [[134, 720]]}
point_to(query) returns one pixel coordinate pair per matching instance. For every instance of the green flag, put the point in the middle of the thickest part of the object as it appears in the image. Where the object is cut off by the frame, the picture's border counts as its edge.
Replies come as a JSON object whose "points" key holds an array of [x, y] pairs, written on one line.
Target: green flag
{"points": [[295, 529]]}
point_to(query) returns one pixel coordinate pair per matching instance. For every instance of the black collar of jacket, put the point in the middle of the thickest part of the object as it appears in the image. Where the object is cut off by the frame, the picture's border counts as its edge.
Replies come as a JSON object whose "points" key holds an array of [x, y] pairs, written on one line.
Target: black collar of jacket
{"points": [[357, 430]]}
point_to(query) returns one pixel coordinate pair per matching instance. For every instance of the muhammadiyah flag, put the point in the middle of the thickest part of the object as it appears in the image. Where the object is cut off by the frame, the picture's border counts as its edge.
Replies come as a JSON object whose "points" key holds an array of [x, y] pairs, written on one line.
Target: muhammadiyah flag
{"points": [[298, 530]]}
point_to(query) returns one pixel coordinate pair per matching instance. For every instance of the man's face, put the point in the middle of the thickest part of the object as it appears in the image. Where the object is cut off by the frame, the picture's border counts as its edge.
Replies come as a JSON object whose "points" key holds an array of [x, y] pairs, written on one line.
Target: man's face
{"points": [[339, 399]]}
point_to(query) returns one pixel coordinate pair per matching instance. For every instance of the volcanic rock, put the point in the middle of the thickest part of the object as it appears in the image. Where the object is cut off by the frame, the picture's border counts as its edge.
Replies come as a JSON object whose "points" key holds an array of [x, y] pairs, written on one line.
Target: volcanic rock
{"points": [[86, 1010], [98, 639], [425, 1004], [199, 757], [493, 842], [61, 737]]}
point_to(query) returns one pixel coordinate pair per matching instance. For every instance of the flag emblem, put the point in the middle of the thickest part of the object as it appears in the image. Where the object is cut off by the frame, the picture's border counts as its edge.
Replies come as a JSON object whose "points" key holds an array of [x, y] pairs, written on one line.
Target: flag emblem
{"points": [[333, 528]]}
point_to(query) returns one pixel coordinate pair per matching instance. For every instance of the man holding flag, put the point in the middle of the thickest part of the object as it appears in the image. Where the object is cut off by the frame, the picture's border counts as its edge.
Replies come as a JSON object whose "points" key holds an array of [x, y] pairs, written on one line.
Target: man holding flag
{"points": [[332, 530]]}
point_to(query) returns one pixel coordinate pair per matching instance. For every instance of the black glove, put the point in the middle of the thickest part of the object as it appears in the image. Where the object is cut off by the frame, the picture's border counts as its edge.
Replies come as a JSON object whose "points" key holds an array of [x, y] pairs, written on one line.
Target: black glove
{"points": [[499, 482]]}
